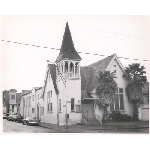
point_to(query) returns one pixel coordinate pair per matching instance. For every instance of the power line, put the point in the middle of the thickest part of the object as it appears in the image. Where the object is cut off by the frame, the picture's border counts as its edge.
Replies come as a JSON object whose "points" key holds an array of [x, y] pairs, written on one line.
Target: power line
{"points": [[66, 50], [104, 31]]}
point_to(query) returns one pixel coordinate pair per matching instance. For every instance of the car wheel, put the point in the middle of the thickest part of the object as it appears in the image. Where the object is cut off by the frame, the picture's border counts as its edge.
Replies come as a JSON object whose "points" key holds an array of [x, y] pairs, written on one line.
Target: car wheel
{"points": [[22, 122], [27, 123], [12, 120]]}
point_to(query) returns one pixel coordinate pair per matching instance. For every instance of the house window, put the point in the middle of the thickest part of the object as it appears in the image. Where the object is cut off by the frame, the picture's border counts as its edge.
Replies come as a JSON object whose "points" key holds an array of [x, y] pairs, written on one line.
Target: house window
{"points": [[72, 104], [49, 76], [117, 103], [51, 107], [33, 98], [114, 68], [26, 102], [60, 105], [12, 108], [48, 101], [51, 93], [78, 108], [33, 110], [12, 96], [23, 102], [29, 101]]}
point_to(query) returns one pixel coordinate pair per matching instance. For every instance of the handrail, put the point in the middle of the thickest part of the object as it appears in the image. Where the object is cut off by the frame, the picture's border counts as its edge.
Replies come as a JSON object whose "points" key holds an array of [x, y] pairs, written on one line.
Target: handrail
{"points": [[84, 117], [98, 118]]}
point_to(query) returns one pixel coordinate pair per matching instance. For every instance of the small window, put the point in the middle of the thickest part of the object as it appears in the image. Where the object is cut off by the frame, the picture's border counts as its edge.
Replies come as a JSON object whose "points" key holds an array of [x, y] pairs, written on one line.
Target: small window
{"points": [[60, 105], [33, 110], [49, 77], [51, 107], [12, 96], [114, 68], [51, 93], [72, 104], [33, 98], [120, 90]]}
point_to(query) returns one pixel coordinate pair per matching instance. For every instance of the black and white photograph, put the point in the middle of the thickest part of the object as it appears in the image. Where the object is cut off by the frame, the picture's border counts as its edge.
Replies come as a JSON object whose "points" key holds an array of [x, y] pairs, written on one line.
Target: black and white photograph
{"points": [[75, 74]]}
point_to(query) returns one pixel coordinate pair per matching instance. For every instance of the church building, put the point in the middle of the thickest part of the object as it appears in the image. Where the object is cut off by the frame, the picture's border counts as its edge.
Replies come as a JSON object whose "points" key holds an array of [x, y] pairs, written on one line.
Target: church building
{"points": [[69, 89]]}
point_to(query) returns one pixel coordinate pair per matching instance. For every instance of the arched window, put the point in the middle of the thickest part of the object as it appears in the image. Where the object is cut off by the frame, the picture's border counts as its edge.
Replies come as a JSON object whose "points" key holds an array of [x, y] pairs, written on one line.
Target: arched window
{"points": [[76, 68], [71, 67], [66, 67]]}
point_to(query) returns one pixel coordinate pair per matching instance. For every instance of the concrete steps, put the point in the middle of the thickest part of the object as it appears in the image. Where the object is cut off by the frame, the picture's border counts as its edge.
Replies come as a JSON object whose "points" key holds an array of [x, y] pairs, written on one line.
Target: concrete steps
{"points": [[93, 122]]}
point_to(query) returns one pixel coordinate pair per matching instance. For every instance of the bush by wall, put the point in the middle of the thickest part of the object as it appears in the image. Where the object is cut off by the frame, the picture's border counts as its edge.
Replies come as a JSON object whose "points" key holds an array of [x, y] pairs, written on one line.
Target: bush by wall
{"points": [[119, 116]]}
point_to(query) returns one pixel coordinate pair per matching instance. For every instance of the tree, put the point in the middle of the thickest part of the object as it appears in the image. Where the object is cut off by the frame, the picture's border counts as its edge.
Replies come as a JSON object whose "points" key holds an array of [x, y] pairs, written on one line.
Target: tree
{"points": [[135, 75], [106, 87]]}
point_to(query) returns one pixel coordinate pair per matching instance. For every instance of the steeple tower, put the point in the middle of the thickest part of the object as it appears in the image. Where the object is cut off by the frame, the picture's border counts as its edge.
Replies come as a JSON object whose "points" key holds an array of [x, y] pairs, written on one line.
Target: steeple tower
{"points": [[67, 50]]}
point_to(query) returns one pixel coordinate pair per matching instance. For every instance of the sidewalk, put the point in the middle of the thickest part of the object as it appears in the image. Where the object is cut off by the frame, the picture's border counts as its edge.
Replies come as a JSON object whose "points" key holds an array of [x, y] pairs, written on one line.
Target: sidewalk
{"points": [[106, 126]]}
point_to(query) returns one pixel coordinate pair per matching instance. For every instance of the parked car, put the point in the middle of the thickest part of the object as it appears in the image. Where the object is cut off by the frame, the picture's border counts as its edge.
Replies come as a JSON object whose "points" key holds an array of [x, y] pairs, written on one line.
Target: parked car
{"points": [[18, 118], [7, 115], [10, 117], [4, 116], [30, 120]]}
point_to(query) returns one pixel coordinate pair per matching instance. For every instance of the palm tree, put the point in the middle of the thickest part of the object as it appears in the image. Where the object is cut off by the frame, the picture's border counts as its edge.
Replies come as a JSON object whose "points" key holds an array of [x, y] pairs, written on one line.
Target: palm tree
{"points": [[135, 75], [106, 87]]}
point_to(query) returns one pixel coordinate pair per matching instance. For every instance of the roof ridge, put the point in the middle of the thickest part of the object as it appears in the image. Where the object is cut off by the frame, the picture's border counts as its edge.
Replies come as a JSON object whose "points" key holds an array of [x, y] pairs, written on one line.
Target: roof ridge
{"points": [[101, 60]]}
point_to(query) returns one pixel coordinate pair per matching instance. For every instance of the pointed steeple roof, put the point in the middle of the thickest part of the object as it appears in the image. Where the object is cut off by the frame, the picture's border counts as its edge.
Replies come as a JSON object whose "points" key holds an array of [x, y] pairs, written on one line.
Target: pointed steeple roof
{"points": [[67, 50]]}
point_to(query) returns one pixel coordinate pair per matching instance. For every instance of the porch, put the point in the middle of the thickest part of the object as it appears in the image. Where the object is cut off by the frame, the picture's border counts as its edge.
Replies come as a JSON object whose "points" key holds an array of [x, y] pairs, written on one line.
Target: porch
{"points": [[91, 111]]}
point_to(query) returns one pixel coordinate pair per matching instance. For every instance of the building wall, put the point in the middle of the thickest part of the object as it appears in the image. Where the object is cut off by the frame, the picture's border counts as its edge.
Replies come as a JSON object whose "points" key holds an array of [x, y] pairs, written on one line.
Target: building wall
{"points": [[122, 83], [50, 117], [12, 101], [72, 90], [38, 104]]}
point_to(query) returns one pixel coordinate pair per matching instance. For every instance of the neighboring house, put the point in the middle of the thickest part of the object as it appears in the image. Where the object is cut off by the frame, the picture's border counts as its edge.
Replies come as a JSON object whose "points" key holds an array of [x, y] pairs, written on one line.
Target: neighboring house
{"points": [[10, 101], [143, 110], [18, 102], [6, 101], [30, 103], [39, 104], [23, 103]]}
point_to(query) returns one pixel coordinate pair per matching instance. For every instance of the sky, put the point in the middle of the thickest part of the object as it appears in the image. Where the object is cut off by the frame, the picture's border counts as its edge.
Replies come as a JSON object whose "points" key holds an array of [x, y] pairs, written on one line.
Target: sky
{"points": [[24, 66]]}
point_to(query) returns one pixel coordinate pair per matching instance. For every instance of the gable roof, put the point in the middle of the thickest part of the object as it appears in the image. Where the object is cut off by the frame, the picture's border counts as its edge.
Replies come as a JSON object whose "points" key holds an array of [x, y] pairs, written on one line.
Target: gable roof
{"points": [[67, 50], [52, 69], [89, 73]]}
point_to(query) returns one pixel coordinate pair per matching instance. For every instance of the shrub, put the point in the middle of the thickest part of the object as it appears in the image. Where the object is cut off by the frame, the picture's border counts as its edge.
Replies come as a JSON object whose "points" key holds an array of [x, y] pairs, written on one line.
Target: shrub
{"points": [[119, 116]]}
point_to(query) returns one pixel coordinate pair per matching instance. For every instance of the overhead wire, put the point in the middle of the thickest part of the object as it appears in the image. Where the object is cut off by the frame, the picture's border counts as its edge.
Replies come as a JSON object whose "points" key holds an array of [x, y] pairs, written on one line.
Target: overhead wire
{"points": [[101, 30], [71, 51]]}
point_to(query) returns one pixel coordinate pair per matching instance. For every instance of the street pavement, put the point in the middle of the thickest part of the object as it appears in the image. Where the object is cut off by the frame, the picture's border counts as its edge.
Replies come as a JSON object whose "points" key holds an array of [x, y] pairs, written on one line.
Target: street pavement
{"points": [[15, 127], [125, 128]]}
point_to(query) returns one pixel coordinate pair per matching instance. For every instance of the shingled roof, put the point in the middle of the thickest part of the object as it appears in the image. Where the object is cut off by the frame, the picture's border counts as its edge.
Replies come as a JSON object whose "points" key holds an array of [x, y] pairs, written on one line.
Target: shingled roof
{"points": [[89, 74], [67, 50], [52, 68]]}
